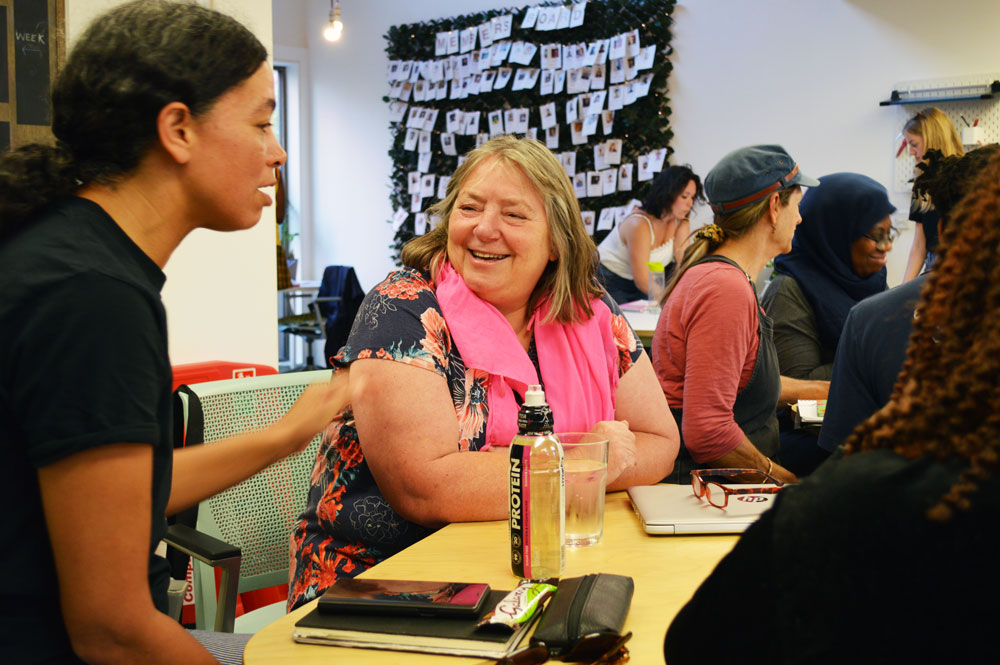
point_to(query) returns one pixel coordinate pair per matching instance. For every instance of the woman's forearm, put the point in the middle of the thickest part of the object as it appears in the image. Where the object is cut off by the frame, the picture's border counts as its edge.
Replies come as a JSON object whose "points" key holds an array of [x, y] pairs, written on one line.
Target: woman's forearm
{"points": [[793, 390], [747, 456], [918, 253]]}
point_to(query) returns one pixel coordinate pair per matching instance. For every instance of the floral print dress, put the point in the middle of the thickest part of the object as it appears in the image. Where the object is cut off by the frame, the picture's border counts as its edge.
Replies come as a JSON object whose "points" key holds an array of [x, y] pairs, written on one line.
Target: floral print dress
{"points": [[348, 526]]}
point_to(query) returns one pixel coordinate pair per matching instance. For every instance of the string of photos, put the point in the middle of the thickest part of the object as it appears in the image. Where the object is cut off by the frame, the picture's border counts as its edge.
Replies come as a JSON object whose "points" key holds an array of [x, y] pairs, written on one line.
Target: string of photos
{"points": [[588, 79]]}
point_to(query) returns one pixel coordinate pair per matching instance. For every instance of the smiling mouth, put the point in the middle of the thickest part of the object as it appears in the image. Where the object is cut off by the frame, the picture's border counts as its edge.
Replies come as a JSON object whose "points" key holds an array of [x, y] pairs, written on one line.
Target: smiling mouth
{"points": [[485, 256]]}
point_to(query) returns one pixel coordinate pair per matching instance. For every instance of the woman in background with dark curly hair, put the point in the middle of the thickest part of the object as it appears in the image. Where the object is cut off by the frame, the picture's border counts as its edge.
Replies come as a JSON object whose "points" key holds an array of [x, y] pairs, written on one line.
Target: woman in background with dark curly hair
{"points": [[877, 557]]}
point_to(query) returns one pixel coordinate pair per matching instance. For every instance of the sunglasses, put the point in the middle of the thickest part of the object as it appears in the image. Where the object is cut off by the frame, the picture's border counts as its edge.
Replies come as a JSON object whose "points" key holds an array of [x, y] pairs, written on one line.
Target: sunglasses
{"points": [[717, 494], [593, 649]]}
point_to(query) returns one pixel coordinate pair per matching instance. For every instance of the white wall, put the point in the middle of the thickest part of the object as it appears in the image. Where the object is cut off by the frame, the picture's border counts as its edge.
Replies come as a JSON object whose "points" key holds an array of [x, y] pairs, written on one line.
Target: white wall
{"points": [[805, 73], [220, 293]]}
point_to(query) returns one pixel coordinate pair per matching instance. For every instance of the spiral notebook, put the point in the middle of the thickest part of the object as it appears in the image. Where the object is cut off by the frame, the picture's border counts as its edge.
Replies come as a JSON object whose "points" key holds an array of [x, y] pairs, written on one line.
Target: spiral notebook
{"points": [[667, 510]]}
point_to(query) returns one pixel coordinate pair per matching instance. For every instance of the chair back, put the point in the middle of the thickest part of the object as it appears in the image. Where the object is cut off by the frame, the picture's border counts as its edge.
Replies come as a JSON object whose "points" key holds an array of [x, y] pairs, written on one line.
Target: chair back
{"points": [[256, 515]]}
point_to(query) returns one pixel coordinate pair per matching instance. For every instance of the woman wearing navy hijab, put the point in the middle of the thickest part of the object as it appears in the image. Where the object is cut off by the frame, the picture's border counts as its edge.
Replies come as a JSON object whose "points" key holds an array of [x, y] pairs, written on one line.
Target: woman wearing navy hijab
{"points": [[838, 258]]}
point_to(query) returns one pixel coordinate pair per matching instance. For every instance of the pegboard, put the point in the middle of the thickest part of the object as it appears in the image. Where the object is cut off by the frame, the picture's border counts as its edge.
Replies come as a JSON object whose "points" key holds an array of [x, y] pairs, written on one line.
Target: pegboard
{"points": [[987, 111]]}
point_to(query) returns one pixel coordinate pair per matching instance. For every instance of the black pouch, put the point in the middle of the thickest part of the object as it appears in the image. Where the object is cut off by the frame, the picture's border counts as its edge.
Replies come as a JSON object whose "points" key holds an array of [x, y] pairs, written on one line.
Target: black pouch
{"points": [[596, 603]]}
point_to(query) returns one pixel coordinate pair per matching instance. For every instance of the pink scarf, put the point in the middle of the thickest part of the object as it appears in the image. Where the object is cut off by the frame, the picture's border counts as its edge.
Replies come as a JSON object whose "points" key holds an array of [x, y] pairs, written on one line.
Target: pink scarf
{"points": [[579, 362]]}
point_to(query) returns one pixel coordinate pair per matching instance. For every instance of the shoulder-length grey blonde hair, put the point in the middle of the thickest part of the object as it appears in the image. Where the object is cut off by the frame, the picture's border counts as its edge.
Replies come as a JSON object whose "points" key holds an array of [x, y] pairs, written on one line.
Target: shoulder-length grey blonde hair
{"points": [[570, 281]]}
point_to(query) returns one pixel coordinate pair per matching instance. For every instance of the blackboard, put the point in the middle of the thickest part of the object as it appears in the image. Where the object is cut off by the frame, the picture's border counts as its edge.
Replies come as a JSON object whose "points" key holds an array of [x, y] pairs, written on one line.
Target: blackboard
{"points": [[31, 62]]}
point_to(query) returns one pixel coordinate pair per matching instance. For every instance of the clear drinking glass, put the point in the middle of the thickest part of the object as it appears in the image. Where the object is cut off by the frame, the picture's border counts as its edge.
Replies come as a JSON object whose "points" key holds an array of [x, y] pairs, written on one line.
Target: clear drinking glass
{"points": [[586, 465]]}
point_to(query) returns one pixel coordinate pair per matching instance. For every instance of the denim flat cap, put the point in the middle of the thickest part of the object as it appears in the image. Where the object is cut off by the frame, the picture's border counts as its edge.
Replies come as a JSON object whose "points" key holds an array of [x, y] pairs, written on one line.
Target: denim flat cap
{"points": [[747, 175]]}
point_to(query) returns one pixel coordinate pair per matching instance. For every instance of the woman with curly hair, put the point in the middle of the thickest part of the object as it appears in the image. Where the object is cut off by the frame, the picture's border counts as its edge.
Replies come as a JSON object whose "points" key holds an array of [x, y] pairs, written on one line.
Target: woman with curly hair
{"points": [[713, 350], [876, 557]]}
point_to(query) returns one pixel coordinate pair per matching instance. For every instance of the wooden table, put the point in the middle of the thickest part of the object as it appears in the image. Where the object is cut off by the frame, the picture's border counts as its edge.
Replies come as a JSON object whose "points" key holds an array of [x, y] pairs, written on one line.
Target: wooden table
{"points": [[666, 569]]}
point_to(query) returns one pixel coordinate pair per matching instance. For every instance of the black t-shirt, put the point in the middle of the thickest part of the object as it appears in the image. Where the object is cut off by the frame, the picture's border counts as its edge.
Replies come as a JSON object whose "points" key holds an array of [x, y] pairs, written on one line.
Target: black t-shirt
{"points": [[846, 568], [84, 363]]}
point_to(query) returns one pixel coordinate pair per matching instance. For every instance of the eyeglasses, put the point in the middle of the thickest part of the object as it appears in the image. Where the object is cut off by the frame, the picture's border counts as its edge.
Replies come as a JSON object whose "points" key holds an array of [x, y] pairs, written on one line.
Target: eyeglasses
{"points": [[717, 494], [883, 238], [593, 649]]}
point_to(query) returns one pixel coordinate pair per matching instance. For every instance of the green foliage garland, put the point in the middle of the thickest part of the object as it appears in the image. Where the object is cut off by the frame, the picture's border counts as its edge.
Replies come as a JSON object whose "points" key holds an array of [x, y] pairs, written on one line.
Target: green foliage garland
{"points": [[643, 126]]}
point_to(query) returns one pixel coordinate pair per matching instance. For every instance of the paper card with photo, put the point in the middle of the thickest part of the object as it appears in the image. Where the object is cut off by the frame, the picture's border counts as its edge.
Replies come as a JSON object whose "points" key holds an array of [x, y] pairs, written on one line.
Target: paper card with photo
{"points": [[420, 223], [616, 71], [606, 220], [448, 143], [551, 56], [398, 218], [463, 66], [657, 158], [547, 113], [642, 85], [645, 58], [427, 185], [631, 71], [597, 100], [602, 52], [464, 87], [396, 90], [572, 110], [530, 17], [430, 119], [532, 78], [646, 171], [590, 124], [586, 73], [590, 57], [475, 84], [510, 121], [471, 127], [569, 59], [503, 77], [392, 71], [588, 221], [396, 111], [568, 161], [631, 92], [608, 122], [435, 71], [520, 79], [424, 162], [532, 133], [481, 139], [580, 185], [521, 121], [632, 44], [481, 59], [424, 141], [547, 81], [420, 91], [448, 68], [565, 16], [414, 72], [441, 89], [489, 78], [500, 52], [616, 98], [560, 80], [573, 84], [462, 158], [548, 19], [486, 33], [413, 182], [442, 190], [528, 53], [599, 78], [577, 14], [610, 179], [501, 26], [467, 40], [613, 149], [599, 162], [410, 142], [595, 186], [621, 212], [416, 117], [625, 177], [405, 68], [456, 90], [617, 48], [552, 137], [416, 202], [495, 123]]}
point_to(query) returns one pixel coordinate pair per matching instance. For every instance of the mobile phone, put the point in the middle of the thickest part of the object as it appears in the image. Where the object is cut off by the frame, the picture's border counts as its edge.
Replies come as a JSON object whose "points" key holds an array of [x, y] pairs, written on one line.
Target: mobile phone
{"points": [[404, 597]]}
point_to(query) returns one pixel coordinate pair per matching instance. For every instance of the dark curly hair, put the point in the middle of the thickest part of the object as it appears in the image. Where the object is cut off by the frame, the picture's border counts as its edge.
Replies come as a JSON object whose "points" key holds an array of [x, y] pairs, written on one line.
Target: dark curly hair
{"points": [[946, 403], [668, 186], [129, 64], [945, 180]]}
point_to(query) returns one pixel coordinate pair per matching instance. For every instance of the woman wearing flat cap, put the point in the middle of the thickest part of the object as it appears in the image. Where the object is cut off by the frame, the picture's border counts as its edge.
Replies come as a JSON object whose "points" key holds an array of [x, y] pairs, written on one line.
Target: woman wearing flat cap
{"points": [[713, 349]]}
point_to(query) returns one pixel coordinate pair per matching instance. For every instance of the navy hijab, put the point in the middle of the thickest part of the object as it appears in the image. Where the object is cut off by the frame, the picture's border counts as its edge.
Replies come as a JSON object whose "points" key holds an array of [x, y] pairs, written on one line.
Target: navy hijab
{"points": [[842, 209]]}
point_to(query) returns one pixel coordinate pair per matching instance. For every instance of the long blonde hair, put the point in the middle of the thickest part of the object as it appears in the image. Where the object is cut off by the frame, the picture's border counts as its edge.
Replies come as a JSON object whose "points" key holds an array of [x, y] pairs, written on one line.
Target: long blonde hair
{"points": [[936, 129], [571, 279]]}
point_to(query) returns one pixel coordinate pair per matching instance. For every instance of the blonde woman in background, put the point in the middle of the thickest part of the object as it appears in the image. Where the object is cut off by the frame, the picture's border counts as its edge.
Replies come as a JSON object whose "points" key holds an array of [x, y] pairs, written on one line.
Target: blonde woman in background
{"points": [[928, 129]]}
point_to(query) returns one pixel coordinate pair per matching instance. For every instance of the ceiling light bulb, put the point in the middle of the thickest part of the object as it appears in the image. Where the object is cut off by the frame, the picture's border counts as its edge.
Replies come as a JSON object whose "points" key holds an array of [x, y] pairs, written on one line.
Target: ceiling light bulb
{"points": [[335, 29]]}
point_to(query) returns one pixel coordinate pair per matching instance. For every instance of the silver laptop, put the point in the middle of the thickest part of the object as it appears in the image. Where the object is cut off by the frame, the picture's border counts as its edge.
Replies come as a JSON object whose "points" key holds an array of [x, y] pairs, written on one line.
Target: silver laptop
{"points": [[674, 510]]}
